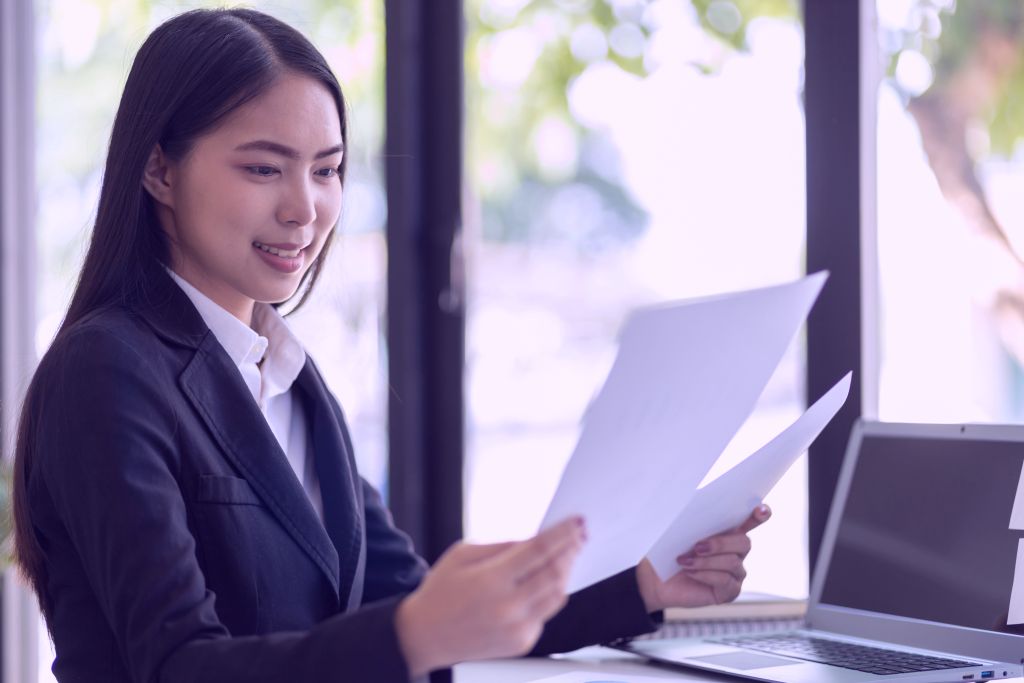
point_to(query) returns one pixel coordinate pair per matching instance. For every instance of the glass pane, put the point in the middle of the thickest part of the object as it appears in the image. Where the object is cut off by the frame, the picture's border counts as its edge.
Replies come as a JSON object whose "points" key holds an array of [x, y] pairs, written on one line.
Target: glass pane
{"points": [[949, 217], [621, 153], [85, 51]]}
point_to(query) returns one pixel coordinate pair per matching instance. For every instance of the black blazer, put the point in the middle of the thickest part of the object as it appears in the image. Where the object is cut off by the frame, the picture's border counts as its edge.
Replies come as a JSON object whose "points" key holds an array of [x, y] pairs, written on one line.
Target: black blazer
{"points": [[179, 544]]}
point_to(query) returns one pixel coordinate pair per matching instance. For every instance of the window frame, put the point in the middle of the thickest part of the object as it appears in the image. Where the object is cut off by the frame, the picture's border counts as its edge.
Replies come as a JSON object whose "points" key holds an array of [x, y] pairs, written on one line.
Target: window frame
{"points": [[426, 313], [20, 613], [839, 39]]}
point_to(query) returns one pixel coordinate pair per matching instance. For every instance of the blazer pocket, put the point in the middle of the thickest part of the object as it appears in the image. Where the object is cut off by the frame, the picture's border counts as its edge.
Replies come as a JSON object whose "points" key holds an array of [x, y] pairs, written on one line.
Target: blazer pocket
{"points": [[226, 491], [229, 519]]}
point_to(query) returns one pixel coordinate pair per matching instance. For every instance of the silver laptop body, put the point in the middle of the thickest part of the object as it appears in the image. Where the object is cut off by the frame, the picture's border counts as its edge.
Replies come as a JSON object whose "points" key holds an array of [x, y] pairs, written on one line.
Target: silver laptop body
{"points": [[917, 558]]}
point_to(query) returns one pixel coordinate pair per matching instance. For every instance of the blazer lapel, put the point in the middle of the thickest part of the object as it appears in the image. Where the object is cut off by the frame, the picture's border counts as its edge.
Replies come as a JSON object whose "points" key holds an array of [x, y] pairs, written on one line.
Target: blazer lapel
{"points": [[339, 485], [216, 389]]}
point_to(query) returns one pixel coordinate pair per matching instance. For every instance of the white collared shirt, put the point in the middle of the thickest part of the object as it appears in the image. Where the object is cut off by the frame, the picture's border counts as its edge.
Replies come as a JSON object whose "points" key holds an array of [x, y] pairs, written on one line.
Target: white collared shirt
{"points": [[270, 383]]}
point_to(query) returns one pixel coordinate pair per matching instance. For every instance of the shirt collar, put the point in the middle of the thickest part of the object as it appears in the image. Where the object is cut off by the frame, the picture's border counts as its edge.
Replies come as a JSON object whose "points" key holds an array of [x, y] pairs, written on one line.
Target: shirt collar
{"points": [[242, 343], [285, 355], [270, 339]]}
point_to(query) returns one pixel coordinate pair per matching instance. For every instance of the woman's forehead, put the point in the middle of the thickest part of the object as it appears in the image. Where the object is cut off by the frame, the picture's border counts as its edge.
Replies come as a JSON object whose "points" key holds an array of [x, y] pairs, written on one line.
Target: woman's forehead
{"points": [[296, 112]]}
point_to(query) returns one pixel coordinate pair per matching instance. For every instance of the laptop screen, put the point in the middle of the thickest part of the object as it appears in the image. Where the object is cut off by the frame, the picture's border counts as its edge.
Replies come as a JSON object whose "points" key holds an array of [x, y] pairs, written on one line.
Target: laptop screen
{"points": [[926, 534]]}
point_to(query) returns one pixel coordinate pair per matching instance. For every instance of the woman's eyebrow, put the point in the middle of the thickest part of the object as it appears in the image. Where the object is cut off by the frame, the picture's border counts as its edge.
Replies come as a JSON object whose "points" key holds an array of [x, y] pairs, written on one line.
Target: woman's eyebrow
{"points": [[284, 150]]}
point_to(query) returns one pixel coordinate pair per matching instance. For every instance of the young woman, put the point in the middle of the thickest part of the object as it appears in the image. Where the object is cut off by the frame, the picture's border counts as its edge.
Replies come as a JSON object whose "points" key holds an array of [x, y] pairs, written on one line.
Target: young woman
{"points": [[187, 506]]}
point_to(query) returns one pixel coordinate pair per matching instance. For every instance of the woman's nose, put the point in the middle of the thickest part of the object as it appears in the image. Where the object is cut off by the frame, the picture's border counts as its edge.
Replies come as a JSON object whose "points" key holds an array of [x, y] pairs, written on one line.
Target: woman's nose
{"points": [[298, 205]]}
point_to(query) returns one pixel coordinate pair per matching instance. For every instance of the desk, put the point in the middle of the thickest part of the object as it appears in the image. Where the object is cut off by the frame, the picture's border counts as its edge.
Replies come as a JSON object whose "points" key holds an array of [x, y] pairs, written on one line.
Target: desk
{"points": [[596, 659]]}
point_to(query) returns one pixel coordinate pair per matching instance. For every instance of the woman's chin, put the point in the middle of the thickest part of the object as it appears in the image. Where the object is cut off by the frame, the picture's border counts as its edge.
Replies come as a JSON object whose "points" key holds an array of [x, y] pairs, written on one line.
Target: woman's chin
{"points": [[276, 294]]}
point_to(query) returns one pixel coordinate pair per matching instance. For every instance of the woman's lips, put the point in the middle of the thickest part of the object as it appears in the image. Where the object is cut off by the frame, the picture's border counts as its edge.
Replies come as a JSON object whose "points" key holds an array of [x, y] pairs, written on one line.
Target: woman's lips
{"points": [[286, 258]]}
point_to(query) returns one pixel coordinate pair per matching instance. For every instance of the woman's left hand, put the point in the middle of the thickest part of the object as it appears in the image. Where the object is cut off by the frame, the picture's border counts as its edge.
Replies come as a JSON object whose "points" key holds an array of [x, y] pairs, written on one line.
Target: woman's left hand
{"points": [[712, 571]]}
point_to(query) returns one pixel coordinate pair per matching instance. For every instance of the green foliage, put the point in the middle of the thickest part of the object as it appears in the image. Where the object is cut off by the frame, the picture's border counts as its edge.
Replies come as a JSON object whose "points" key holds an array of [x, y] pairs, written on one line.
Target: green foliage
{"points": [[1006, 122], [6, 517], [729, 20], [514, 188], [950, 36]]}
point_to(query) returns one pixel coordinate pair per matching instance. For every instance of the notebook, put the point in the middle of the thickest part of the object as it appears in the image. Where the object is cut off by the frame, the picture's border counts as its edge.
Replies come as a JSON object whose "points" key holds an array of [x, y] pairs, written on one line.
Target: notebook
{"points": [[751, 612], [920, 575]]}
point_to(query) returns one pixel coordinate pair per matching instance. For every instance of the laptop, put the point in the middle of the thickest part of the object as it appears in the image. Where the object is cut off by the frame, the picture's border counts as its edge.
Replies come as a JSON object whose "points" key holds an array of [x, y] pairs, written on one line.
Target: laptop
{"points": [[916, 572]]}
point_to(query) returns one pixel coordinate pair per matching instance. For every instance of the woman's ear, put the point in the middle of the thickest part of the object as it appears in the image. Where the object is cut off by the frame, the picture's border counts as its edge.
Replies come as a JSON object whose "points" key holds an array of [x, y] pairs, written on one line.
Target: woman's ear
{"points": [[156, 177]]}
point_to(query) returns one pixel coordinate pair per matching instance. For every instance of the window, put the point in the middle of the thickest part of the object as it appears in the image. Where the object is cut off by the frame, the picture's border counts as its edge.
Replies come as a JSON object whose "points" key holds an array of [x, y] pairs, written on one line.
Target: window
{"points": [[621, 153], [17, 87], [950, 224]]}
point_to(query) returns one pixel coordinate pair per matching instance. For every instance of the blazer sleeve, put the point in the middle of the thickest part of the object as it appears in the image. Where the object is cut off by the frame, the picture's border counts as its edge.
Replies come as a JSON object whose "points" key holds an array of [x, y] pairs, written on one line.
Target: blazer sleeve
{"points": [[107, 456], [392, 565], [608, 610]]}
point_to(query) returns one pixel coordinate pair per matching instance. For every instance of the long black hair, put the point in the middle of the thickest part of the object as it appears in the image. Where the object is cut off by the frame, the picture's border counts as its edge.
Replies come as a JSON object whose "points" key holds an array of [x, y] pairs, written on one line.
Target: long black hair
{"points": [[189, 74]]}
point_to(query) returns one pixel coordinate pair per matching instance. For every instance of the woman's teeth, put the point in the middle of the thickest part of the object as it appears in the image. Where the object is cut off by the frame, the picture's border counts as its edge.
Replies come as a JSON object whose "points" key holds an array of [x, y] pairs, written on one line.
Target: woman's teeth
{"points": [[277, 252]]}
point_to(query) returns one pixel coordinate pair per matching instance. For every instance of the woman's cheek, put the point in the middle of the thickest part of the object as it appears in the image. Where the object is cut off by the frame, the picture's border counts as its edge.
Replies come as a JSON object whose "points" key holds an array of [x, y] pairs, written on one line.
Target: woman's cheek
{"points": [[321, 239], [332, 209]]}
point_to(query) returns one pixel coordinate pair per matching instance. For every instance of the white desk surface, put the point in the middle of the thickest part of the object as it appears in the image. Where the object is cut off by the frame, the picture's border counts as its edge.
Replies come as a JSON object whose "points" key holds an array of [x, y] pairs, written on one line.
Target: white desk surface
{"points": [[592, 659], [598, 660]]}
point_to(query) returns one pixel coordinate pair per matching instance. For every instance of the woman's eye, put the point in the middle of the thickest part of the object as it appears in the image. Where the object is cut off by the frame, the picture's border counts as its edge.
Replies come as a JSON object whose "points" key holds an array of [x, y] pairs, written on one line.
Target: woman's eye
{"points": [[262, 171]]}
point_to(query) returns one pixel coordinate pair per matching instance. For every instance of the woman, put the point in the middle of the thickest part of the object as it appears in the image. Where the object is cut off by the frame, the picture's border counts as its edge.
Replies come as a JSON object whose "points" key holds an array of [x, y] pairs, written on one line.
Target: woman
{"points": [[187, 506]]}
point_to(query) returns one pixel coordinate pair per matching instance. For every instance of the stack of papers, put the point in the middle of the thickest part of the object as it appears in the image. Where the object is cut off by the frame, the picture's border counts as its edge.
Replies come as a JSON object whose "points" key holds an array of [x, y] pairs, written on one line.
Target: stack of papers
{"points": [[685, 379]]}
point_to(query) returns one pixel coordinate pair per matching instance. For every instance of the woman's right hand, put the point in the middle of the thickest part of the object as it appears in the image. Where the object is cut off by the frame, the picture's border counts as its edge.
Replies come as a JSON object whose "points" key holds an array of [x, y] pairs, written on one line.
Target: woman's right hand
{"points": [[486, 601]]}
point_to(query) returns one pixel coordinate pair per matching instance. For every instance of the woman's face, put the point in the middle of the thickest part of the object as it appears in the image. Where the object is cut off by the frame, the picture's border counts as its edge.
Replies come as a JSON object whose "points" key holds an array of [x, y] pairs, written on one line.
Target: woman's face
{"points": [[248, 209]]}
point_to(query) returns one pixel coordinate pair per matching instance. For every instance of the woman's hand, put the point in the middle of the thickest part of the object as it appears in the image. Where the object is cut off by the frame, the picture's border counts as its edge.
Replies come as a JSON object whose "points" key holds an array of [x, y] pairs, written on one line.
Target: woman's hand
{"points": [[483, 601], [712, 571]]}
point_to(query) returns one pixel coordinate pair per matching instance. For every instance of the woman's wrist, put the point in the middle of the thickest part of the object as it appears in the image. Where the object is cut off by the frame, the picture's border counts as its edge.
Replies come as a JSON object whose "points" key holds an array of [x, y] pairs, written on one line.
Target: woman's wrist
{"points": [[646, 582], [412, 638]]}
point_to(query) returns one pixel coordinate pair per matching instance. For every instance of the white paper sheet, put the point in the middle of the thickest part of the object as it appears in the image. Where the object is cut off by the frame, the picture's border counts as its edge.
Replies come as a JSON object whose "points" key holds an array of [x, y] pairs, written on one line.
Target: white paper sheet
{"points": [[590, 677], [1016, 612], [1017, 514], [685, 378], [728, 500]]}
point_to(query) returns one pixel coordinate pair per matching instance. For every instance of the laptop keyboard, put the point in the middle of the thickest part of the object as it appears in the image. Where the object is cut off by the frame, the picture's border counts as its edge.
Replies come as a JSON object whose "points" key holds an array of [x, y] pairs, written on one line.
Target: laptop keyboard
{"points": [[872, 660]]}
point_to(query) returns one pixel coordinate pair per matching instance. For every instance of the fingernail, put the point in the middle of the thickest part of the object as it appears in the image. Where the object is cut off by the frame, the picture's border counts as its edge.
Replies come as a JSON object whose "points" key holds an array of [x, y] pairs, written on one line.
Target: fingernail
{"points": [[763, 511], [686, 561], [702, 547], [579, 522]]}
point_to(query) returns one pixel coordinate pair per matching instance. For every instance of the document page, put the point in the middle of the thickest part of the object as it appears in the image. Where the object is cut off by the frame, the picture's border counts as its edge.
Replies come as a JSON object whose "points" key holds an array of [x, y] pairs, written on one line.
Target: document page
{"points": [[686, 376], [1015, 615], [728, 500]]}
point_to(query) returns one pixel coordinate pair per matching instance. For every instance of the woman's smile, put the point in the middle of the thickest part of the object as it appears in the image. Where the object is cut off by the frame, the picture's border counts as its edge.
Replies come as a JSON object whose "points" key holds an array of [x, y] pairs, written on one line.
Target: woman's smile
{"points": [[286, 258]]}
